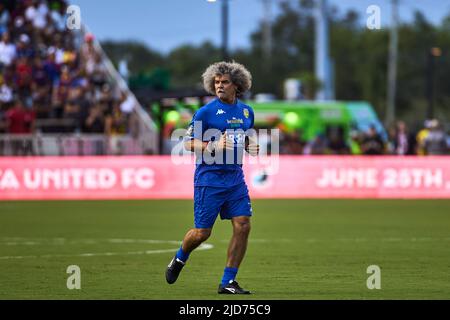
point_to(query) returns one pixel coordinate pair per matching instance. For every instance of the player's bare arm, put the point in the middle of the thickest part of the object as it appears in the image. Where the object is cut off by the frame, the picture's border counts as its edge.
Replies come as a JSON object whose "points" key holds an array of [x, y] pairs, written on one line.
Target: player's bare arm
{"points": [[195, 145]]}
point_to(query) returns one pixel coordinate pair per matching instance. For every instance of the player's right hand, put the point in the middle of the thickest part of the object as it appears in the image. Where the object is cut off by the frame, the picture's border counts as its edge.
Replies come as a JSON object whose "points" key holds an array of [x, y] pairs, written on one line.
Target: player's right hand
{"points": [[225, 144]]}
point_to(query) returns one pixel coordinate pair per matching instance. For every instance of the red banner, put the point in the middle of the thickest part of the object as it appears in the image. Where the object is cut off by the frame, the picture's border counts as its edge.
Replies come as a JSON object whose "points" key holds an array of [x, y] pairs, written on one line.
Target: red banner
{"points": [[164, 177]]}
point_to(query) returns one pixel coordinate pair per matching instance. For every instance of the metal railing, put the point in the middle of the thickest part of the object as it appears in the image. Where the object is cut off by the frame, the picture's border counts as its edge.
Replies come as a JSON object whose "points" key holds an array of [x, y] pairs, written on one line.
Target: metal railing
{"points": [[72, 145], [147, 127]]}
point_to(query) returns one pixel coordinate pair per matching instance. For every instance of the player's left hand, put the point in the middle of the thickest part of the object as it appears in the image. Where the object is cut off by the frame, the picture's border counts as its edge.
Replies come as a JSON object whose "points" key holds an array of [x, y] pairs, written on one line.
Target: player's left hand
{"points": [[253, 149]]}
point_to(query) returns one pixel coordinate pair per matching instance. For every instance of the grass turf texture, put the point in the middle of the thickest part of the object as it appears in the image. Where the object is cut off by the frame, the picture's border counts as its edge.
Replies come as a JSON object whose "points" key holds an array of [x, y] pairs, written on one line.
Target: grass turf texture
{"points": [[298, 249]]}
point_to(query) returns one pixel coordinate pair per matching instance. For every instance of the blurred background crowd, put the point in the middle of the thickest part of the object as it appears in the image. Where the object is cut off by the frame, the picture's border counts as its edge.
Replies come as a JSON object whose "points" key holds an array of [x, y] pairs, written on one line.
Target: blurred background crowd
{"points": [[431, 139], [54, 80]]}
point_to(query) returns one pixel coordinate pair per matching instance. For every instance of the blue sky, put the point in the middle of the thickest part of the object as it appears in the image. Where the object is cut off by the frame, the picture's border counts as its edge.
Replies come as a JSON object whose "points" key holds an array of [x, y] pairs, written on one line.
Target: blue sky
{"points": [[166, 24]]}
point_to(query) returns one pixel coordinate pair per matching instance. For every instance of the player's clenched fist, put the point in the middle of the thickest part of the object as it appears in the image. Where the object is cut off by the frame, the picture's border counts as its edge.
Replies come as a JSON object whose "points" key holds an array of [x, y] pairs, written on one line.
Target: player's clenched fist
{"points": [[223, 144], [251, 146]]}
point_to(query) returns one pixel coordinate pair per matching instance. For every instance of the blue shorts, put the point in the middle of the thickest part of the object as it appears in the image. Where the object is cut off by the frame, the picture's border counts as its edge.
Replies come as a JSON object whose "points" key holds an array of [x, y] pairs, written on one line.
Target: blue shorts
{"points": [[229, 202]]}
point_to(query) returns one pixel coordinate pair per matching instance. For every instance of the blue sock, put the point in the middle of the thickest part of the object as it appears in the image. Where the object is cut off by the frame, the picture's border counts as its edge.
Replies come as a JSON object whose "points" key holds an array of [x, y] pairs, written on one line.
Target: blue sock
{"points": [[181, 255], [228, 275]]}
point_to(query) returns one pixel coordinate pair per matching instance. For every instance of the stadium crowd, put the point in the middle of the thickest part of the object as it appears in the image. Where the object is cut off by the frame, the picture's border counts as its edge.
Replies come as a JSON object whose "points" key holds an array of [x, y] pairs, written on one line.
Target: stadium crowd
{"points": [[53, 76], [429, 140]]}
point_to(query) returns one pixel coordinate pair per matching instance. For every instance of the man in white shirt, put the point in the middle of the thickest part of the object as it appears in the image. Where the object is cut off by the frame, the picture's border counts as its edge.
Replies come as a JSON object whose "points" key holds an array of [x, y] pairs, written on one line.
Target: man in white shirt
{"points": [[7, 50]]}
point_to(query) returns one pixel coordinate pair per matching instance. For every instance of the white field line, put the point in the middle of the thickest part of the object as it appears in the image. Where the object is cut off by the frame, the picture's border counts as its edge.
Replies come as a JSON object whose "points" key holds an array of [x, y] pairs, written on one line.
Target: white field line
{"points": [[62, 241], [313, 240]]}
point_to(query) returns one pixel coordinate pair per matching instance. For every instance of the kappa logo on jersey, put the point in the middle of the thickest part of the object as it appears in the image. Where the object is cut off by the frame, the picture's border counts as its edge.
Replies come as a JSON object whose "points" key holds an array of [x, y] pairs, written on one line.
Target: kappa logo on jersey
{"points": [[220, 111]]}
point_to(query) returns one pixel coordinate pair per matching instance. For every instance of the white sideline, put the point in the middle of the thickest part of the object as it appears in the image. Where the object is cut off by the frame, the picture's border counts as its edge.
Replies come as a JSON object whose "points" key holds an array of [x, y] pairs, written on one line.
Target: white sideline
{"points": [[62, 241]]}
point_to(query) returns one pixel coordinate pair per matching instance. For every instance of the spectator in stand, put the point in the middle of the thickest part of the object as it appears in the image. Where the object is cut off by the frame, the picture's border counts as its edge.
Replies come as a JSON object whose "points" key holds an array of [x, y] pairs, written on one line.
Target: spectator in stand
{"points": [[72, 111], [95, 122], [412, 142], [58, 49], [24, 48], [116, 122], [6, 94], [355, 142], [9, 76], [60, 92], [40, 76], [105, 98], [336, 141], [421, 136], [293, 143], [436, 141], [77, 94], [20, 121], [41, 88], [390, 144], [88, 52], [90, 93], [7, 51], [115, 128], [58, 14], [4, 18], [401, 141], [51, 67], [372, 144], [127, 103], [96, 71], [30, 10], [70, 57], [17, 10], [24, 77], [41, 49], [45, 66], [48, 33], [317, 146], [40, 18], [20, 27]]}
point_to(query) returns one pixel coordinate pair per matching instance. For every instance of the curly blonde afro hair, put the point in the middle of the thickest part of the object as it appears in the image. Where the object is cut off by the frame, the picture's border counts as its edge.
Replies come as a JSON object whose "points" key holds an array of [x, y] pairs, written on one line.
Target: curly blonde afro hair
{"points": [[239, 76]]}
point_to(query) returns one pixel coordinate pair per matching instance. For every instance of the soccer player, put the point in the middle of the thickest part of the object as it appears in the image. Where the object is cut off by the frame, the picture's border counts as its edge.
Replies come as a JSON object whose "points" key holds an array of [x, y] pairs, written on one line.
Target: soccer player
{"points": [[218, 134]]}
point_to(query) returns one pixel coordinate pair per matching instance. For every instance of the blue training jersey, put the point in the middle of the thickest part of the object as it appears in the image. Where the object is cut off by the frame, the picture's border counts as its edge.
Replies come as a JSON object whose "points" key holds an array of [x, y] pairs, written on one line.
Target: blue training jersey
{"points": [[207, 124]]}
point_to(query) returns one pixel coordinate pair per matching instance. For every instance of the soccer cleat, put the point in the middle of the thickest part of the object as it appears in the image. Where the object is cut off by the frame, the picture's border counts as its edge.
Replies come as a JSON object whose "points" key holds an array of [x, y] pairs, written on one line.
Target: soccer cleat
{"points": [[232, 288], [173, 270]]}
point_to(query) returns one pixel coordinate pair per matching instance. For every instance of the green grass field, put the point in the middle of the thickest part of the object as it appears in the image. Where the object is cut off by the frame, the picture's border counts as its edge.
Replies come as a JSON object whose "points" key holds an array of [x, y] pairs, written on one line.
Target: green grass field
{"points": [[298, 249]]}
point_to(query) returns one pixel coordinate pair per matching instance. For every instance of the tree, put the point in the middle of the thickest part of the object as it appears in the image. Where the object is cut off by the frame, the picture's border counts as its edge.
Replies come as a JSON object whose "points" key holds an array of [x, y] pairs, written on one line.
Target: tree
{"points": [[187, 63], [360, 59], [140, 58]]}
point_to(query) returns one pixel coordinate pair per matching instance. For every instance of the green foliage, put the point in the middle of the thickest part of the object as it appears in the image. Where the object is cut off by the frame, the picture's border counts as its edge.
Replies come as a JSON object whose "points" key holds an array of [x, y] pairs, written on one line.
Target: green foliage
{"points": [[187, 63], [157, 79], [140, 58], [359, 57]]}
